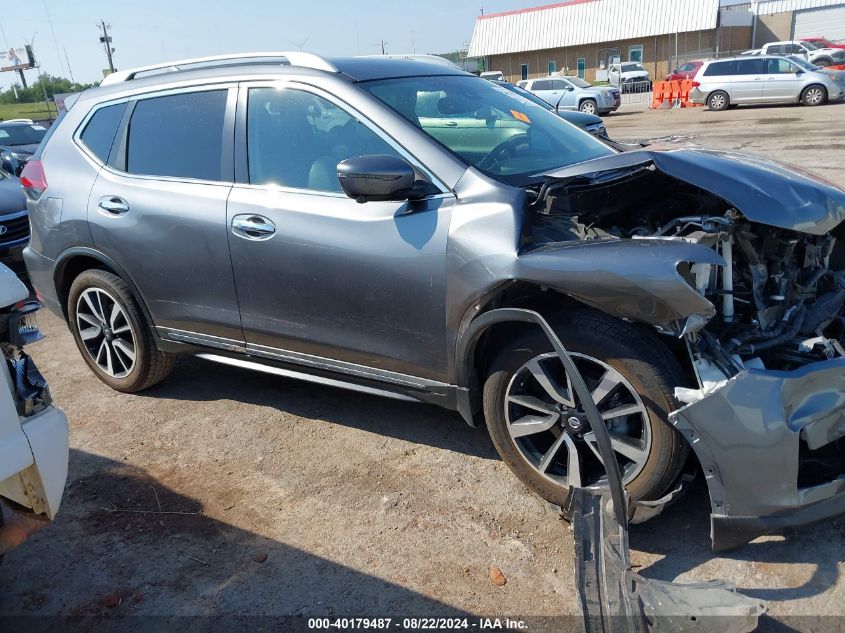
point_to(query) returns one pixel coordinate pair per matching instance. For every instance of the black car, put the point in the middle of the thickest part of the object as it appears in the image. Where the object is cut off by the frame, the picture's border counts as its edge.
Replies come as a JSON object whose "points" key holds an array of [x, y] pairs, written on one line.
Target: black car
{"points": [[14, 223], [18, 141]]}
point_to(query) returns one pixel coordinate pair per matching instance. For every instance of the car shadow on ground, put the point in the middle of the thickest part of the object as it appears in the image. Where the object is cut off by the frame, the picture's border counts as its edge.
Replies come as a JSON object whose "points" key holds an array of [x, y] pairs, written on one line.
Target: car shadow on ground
{"points": [[195, 379], [126, 545], [681, 535]]}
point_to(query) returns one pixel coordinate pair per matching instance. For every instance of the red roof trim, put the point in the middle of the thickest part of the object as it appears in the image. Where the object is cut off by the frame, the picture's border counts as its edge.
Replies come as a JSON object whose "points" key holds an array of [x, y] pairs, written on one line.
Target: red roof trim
{"points": [[556, 5]]}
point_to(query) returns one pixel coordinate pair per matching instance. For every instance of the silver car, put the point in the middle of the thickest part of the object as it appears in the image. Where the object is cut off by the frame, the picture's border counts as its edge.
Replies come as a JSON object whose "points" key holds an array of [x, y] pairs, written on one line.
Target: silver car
{"points": [[722, 83], [573, 93]]}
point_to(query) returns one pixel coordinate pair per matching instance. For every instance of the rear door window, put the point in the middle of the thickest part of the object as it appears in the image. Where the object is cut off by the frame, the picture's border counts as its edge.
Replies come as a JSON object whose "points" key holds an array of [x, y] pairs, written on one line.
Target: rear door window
{"points": [[720, 69], [749, 66], [100, 131], [178, 135], [542, 85]]}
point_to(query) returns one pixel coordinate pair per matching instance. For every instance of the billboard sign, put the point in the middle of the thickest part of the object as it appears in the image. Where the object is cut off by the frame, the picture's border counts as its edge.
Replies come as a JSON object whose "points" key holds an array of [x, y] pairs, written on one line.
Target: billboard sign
{"points": [[16, 59]]}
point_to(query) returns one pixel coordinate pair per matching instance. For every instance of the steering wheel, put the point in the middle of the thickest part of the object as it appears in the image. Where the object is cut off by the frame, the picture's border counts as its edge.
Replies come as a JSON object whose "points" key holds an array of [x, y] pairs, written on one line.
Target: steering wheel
{"points": [[502, 152]]}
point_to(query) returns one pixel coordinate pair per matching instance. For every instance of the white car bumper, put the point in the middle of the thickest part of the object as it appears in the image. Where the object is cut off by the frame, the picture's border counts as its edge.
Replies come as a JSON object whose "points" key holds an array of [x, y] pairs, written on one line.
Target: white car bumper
{"points": [[34, 462]]}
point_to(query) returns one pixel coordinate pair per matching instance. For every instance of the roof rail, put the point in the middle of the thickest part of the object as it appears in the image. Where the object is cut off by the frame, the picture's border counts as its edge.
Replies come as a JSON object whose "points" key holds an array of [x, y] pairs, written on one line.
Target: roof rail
{"points": [[290, 58]]}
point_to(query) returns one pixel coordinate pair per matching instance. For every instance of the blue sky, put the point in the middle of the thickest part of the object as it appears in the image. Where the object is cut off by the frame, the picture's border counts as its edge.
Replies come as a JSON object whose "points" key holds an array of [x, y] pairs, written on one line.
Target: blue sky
{"points": [[150, 31]]}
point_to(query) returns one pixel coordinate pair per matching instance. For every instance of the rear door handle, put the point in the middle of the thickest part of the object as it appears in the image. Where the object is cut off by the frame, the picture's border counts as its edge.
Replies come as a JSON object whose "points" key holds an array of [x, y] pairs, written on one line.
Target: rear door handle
{"points": [[115, 205], [451, 124], [253, 227]]}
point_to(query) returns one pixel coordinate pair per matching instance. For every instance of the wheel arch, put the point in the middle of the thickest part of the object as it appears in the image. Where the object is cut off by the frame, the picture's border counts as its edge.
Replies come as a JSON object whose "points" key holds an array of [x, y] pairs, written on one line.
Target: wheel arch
{"points": [[77, 260], [480, 335]]}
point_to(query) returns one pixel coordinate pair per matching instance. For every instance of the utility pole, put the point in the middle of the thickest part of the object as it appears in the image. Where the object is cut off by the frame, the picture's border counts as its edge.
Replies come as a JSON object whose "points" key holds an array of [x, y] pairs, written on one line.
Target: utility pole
{"points": [[383, 44], [105, 38]]}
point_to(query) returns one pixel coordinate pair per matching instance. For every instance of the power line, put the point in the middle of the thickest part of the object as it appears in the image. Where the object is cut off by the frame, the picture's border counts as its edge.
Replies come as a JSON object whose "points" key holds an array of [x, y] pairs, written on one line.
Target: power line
{"points": [[53, 33]]}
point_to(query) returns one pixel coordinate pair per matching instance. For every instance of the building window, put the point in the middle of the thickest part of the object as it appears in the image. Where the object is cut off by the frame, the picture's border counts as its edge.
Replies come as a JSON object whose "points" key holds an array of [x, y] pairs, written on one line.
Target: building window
{"points": [[582, 67], [523, 71], [635, 53], [552, 67]]}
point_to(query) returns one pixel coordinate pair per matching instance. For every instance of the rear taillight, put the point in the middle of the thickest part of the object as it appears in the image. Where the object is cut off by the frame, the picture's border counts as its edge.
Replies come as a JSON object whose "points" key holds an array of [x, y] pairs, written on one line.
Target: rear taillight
{"points": [[33, 179], [696, 84]]}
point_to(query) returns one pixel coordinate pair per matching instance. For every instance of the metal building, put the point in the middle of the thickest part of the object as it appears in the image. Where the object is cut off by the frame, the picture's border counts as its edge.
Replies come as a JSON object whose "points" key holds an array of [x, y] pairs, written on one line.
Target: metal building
{"points": [[584, 37], [776, 20]]}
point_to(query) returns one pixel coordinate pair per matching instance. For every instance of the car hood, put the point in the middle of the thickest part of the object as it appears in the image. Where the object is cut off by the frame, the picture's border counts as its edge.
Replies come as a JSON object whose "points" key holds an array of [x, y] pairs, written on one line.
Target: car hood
{"points": [[25, 150], [12, 198], [763, 190], [581, 119]]}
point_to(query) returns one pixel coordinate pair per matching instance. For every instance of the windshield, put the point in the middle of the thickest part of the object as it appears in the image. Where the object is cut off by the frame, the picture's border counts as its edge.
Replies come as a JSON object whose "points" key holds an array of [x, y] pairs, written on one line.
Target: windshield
{"points": [[580, 83], [803, 63], [504, 135], [811, 45], [21, 134], [628, 68]]}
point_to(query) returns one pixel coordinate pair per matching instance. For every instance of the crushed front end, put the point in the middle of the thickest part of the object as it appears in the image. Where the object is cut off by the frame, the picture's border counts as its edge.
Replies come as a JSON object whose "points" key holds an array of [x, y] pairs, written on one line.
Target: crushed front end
{"points": [[765, 412]]}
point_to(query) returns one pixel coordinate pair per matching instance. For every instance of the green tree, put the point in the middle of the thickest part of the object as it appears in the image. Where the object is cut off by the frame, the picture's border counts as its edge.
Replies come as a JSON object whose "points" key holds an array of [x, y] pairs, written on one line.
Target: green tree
{"points": [[35, 92]]}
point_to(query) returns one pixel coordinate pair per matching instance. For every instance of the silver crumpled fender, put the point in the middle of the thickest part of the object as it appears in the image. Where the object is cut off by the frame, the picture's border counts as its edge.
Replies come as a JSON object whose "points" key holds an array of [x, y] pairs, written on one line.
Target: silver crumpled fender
{"points": [[629, 279]]}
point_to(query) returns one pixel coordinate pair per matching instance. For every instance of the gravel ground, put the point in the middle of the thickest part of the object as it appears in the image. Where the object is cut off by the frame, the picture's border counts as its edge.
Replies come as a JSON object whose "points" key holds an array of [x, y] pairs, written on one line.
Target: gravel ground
{"points": [[229, 493]]}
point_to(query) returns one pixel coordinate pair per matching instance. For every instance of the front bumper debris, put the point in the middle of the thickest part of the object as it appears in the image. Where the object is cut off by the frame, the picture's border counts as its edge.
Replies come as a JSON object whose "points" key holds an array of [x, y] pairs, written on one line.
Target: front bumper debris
{"points": [[767, 443], [612, 597]]}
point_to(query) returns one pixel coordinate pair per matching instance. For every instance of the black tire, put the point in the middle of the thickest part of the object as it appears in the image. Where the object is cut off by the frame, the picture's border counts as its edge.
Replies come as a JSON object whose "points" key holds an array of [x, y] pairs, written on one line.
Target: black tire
{"points": [[589, 106], [643, 361], [150, 365], [814, 95], [718, 101]]}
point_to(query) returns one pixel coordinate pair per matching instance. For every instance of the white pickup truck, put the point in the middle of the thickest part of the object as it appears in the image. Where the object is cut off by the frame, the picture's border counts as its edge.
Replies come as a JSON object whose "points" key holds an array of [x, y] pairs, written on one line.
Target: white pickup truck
{"points": [[33, 433], [810, 51]]}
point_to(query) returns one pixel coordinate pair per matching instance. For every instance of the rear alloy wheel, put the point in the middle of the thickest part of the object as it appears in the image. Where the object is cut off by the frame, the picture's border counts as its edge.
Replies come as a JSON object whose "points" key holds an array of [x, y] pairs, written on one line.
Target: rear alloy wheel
{"points": [[814, 95], [112, 334], [538, 424], [589, 106], [106, 332], [718, 101]]}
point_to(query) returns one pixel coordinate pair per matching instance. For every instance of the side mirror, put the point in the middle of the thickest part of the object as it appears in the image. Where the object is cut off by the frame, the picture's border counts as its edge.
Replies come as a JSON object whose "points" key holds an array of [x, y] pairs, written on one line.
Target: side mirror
{"points": [[376, 178], [674, 71]]}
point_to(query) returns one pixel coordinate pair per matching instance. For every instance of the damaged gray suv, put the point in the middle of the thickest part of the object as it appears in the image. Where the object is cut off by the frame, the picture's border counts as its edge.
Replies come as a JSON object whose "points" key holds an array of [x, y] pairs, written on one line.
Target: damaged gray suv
{"points": [[378, 224]]}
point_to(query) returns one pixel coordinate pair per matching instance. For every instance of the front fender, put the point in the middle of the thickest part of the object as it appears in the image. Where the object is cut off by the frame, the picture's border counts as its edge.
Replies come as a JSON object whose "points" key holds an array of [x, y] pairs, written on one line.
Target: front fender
{"points": [[628, 279]]}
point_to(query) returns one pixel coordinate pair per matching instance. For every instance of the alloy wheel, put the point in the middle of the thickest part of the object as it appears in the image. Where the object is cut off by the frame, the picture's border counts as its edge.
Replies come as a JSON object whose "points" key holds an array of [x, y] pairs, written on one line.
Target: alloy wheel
{"points": [[717, 102], [550, 430], [814, 96], [588, 107], [106, 332]]}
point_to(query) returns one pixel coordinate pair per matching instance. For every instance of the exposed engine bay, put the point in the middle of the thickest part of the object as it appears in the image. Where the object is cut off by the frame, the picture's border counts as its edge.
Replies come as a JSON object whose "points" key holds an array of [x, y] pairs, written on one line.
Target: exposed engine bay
{"points": [[779, 296]]}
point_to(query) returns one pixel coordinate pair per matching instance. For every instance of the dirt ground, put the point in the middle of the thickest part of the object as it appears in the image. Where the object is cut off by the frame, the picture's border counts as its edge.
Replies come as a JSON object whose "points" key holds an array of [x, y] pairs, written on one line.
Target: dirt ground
{"points": [[228, 493]]}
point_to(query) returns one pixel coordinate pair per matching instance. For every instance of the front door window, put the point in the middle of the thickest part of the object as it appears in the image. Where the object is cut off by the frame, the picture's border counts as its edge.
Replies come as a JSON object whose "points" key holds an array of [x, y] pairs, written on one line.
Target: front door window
{"points": [[296, 139]]}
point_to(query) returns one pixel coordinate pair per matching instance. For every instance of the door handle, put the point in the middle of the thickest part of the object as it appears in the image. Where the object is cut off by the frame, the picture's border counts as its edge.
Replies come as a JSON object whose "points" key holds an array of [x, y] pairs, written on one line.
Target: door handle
{"points": [[114, 205], [253, 227], [451, 124]]}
